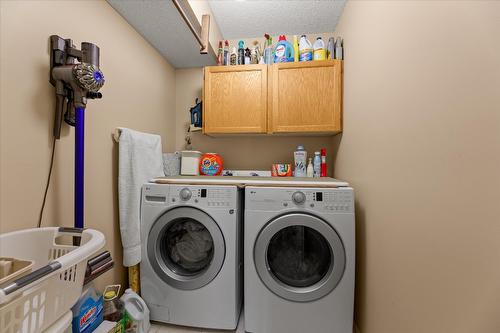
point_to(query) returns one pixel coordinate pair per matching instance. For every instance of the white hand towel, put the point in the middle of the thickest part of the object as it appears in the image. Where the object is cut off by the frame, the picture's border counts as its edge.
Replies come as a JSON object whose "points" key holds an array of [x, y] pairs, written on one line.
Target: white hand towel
{"points": [[140, 160]]}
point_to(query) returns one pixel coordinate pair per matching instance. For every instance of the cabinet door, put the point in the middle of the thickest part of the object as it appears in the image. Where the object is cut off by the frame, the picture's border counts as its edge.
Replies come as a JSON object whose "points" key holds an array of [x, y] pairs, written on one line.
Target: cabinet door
{"points": [[307, 97], [235, 99]]}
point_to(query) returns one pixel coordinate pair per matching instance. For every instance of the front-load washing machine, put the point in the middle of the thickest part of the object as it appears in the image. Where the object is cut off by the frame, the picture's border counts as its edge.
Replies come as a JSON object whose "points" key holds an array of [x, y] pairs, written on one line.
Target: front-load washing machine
{"points": [[191, 258], [299, 260]]}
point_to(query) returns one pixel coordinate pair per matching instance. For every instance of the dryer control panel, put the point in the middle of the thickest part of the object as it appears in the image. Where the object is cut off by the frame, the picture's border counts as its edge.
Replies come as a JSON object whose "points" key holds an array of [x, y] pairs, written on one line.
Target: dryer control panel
{"points": [[209, 196], [328, 200]]}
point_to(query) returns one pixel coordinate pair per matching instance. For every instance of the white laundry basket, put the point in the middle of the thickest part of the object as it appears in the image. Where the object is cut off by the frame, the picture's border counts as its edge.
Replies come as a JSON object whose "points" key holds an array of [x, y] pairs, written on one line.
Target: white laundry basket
{"points": [[34, 302], [62, 325]]}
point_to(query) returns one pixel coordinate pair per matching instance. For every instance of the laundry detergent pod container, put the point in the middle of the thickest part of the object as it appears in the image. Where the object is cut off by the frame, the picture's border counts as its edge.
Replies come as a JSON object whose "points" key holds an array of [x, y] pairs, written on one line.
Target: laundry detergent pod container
{"points": [[211, 164]]}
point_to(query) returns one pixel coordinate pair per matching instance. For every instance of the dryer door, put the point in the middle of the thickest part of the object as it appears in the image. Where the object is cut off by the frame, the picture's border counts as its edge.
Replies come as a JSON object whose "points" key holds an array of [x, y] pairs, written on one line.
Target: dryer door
{"points": [[299, 257], [186, 248]]}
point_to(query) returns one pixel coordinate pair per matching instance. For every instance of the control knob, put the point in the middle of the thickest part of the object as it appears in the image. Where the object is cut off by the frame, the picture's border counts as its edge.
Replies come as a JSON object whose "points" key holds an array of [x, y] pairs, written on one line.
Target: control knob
{"points": [[298, 197], [185, 194]]}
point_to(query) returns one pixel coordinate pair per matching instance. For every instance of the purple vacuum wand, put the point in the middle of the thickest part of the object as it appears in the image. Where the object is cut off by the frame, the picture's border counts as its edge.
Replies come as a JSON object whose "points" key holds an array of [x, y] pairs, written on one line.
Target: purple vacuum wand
{"points": [[76, 77]]}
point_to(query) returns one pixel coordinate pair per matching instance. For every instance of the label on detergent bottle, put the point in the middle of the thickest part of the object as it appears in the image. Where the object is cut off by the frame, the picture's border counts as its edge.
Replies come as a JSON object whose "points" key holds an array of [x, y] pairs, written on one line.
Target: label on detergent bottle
{"points": [[320, 54], [211, 165], [280, 52], [306, 55], [89, 317]]}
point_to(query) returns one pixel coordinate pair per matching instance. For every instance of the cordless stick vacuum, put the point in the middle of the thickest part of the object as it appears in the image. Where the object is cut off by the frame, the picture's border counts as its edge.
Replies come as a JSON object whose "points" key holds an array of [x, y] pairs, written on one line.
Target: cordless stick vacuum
{"points": [[76, 76]]}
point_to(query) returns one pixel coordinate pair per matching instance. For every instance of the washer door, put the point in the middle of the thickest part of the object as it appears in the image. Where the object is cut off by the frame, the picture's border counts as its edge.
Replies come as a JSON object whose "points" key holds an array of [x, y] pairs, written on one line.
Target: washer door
{"points": [[186, 248], [299, 257]]}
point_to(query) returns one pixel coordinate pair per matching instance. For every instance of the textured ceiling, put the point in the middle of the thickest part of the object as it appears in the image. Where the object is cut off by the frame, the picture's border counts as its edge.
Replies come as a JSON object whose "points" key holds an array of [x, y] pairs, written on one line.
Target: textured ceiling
{"points": [[253, 18], [161, 25]]}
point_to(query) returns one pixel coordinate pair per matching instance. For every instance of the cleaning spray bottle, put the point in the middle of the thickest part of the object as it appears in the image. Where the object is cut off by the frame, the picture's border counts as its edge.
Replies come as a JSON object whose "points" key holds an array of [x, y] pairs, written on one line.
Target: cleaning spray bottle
{"points": [[339, 48], [241, 52], [330, 49], [226, 52], [220, 54], [233, 57], [317, 164]]}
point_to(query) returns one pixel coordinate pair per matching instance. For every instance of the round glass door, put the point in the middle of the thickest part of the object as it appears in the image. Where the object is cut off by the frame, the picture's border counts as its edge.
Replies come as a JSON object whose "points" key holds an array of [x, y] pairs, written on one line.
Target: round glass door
{"points": [[186, 248], [299, 257]]}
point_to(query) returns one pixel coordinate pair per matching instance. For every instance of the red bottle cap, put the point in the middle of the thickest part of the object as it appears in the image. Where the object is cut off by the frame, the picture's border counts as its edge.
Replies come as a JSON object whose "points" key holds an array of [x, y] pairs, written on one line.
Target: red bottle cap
{"points": [[323, 151], [282, 37]]}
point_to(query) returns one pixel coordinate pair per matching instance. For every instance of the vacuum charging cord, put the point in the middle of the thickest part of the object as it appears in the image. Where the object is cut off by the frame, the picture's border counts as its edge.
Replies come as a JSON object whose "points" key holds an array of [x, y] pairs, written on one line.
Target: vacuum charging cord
{"points": [[40, 217]]}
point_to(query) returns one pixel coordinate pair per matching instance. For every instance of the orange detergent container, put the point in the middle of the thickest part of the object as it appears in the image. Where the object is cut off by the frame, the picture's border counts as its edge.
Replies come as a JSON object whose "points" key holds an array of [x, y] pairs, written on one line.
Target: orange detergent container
{"points": [[281, 170], [211, 164]]}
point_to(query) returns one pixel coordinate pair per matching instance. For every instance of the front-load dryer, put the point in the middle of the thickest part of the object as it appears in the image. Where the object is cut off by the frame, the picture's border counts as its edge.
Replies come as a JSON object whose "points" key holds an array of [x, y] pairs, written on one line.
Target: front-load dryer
{"points": [[299, 260], [191, 258]]}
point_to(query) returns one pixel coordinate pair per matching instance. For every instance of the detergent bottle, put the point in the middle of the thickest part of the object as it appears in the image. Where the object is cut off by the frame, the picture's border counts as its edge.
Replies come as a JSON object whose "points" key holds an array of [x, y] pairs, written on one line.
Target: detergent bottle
{"points": [[300, 159], [305, 49], [319, 49], [137, 311], [283, 51]]}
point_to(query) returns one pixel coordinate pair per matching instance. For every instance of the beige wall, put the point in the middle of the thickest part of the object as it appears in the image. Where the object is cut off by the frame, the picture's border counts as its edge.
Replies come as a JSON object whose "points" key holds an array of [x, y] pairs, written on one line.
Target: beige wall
{"points": [[238, 152], [421, 146], [139, 93]]}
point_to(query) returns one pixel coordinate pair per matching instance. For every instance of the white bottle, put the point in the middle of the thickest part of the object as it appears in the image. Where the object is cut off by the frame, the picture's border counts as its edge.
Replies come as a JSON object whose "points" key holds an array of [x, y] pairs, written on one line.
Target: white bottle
{"points": [[305, 49], [319, 49], [317, 164], [300, 159], [339, 48], [310, 170], [137, 310]]}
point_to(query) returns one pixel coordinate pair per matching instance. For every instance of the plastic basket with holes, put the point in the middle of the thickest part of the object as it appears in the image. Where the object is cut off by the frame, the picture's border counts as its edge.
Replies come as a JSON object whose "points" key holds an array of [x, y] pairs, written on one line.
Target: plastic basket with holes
{"points": [[34, 302]]}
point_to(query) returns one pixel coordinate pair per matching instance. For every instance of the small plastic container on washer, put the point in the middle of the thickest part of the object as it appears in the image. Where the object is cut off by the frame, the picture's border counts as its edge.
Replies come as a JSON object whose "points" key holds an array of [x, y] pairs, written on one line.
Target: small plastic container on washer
{"points": [[190, 162]]}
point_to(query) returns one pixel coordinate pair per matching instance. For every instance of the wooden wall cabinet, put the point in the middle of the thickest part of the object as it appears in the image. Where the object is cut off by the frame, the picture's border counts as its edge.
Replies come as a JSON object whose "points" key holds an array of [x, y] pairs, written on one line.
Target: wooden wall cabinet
{"points": [[285, 98], [235, 99]]}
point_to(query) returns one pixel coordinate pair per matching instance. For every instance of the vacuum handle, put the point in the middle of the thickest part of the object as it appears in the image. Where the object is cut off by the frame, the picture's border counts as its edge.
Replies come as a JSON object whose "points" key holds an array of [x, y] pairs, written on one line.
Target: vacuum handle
{"points": [[61, 106]]}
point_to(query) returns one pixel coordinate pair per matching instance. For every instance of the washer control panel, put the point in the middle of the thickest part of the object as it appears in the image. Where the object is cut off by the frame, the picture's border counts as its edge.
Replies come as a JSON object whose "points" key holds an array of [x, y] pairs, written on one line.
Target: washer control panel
{"points": [[195, 195], [328, 200]]}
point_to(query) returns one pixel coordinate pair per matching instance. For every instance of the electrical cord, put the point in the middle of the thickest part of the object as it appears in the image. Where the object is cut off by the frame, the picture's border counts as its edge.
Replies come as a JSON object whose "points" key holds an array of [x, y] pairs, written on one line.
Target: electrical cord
{"points": [[48, 182]]}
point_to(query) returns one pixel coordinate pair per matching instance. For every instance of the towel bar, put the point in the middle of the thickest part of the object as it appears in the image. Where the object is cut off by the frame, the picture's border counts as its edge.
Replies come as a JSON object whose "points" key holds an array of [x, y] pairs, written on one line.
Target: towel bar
{"points": [[116, 134]]}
